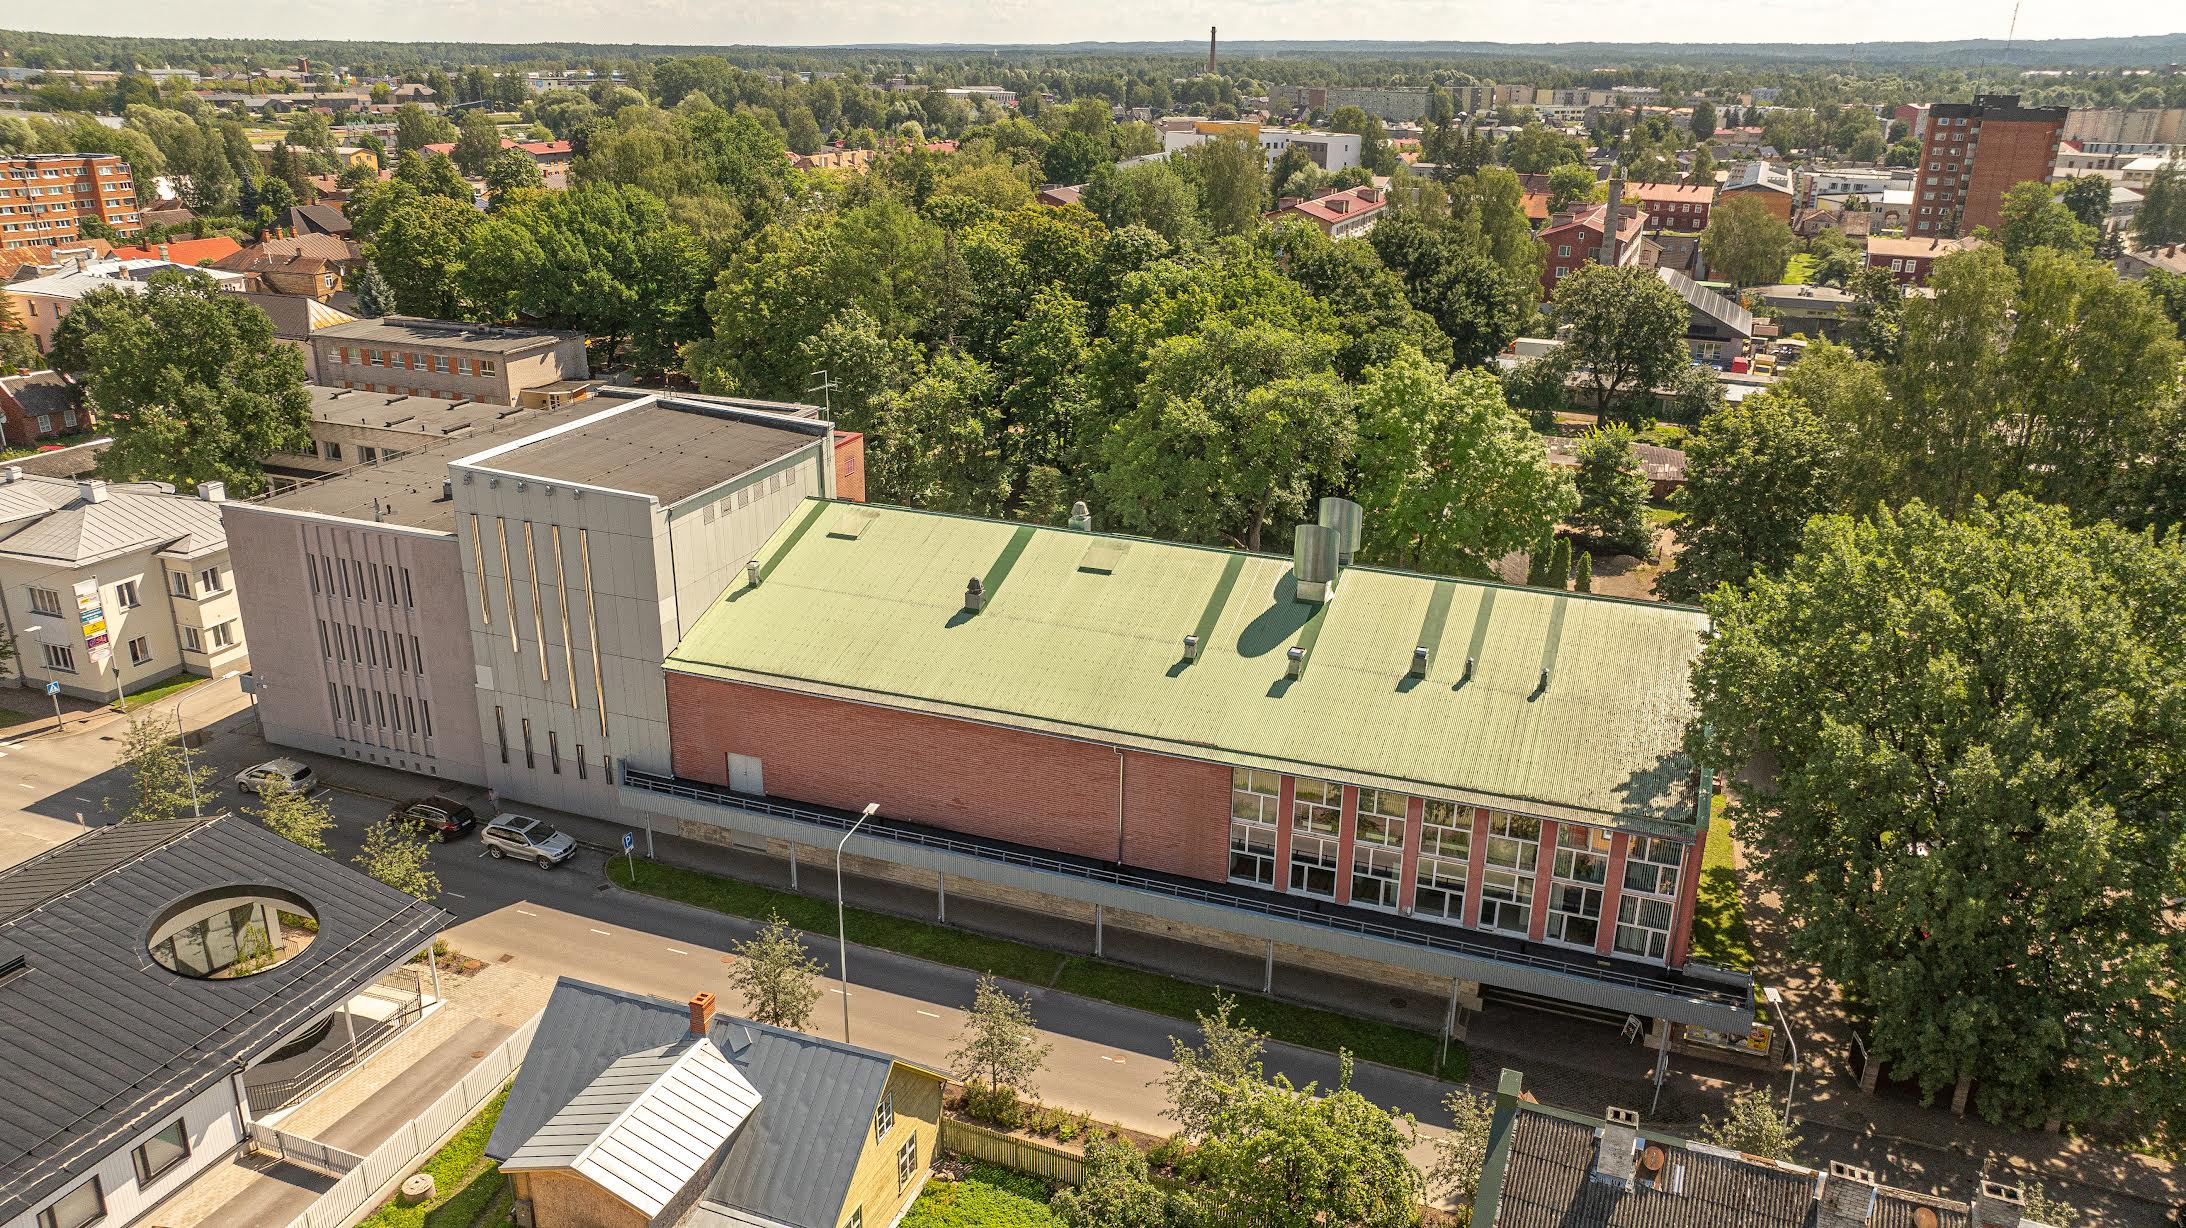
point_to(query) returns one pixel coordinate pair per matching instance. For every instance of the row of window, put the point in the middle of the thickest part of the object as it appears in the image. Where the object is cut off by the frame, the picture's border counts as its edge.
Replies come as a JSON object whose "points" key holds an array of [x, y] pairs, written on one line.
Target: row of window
{"points": [[1510, 862], [381, 709], [410, 360], [373, 646], [330, 575], [211, 582], [154, 1158], [392, 390]]}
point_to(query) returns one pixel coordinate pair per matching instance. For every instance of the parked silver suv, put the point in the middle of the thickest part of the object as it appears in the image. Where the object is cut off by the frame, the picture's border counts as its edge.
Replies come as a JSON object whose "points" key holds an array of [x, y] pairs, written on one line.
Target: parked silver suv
{"points": [[514, 835]]}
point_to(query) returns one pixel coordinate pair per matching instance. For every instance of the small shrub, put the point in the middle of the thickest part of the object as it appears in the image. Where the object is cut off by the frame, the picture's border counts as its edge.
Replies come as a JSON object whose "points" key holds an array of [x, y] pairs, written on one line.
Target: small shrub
{"points": [[1169, 1152], [995, 1106]]}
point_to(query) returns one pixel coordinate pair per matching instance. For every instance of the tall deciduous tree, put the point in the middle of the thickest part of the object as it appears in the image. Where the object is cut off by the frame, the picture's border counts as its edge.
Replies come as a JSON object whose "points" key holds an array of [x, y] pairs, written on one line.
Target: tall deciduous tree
{"points": [[295, 816], [1230, 174], [778, 978], [1745, 243], [1000, 1044], [1204, 1077], [2033, 218], [1117, 1191], [1755, 472], [2161, 219], [418, 248], [1612, 511], [1974, 805], [1627, 333], [397, 855], [189, 381], [1462, 1152], [1752, 1124], [160, 787], [1451, 478], [509, 171], [1234, 426], [477, 140], [1279, 1156]]}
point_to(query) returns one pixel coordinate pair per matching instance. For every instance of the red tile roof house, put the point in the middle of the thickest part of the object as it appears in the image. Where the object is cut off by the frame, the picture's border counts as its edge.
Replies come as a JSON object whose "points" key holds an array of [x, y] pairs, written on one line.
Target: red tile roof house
{"points": [[1572, 239], [1681, 207], [182, 251], [1338, 214], [1909, 260]]}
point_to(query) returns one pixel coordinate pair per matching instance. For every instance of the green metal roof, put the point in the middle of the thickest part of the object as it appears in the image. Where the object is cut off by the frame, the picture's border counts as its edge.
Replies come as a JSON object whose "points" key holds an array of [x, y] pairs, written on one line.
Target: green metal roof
{"points": [[1082, 635]]}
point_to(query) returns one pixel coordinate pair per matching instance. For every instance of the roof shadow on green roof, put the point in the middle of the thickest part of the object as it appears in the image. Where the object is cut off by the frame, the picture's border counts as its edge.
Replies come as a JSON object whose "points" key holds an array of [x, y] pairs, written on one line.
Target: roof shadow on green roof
{"points": [[1658, 790], [1272, 627]]}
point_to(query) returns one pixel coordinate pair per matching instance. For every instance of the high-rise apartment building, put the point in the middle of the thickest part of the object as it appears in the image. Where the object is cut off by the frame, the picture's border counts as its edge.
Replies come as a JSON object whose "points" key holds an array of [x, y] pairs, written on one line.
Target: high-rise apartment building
{"points": [[45, 198], [1972, 154]]}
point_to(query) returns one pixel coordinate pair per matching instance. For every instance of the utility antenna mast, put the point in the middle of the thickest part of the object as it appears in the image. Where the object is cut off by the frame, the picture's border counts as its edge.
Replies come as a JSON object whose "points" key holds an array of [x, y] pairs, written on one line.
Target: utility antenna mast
{"points": [[825, 385]]}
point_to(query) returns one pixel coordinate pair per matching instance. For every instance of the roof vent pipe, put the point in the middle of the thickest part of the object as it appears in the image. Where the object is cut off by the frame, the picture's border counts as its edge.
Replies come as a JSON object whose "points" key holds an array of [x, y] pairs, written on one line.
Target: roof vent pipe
{"points": [[1468, 670], [975, 595], [1543, 687], [1297, 657], [751, 573], [1081, 518], [91, 491], [13, 473], [1419, 661], [1191, 648]]}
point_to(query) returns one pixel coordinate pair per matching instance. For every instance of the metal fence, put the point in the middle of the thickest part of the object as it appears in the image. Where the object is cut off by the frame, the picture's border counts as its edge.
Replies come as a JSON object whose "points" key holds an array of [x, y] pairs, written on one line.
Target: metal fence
{"points": [[1731, 994], [375, 1174], [400, 988]]}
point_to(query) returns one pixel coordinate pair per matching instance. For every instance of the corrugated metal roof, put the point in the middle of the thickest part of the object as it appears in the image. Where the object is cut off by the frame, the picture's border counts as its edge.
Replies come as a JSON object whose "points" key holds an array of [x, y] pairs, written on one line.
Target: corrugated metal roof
{"points": [[792, 1161], [119, 1041], [879, 619], [647, 1125], [1547, 1184]]}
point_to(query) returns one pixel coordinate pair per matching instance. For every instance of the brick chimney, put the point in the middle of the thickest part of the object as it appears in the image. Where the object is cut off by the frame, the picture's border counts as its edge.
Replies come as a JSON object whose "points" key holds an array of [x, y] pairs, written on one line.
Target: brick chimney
{"points": [[1613, 1152], [702, 1014], [1612, 220], [1998, 1205], [1848, 1197]]}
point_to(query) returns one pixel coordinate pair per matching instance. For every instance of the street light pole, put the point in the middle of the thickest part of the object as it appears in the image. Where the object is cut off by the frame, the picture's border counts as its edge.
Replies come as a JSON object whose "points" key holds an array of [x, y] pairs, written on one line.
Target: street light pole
{"points": [[23, 668], [182, 735], [1776, 1001], [842, 934]]}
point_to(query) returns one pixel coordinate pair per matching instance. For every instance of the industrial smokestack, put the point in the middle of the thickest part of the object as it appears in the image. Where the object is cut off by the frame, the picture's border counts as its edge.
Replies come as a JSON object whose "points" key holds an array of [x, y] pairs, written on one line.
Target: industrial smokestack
{"points": [[1612, 220], [1210, 51]]}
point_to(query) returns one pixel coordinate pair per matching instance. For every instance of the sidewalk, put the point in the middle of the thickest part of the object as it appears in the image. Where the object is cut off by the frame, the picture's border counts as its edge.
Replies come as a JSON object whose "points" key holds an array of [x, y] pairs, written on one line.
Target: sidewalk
{"points": [[1567, 1062]]}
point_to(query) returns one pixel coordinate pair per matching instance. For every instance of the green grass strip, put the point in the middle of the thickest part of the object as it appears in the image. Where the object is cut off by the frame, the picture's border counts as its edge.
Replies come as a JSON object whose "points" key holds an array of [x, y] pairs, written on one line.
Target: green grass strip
{"points": [[1720, 933], [467, 1185], [1015, 960], [1305, 1026]]}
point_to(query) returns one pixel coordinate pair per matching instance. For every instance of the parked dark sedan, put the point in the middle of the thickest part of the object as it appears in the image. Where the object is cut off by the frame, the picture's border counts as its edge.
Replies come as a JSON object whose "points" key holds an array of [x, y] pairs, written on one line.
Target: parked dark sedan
{"points": [[443, 818]]}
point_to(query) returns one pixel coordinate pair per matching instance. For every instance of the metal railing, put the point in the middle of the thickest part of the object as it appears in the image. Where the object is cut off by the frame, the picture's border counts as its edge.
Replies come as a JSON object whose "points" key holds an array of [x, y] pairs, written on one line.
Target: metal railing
{"points": [[650, 782], [271, 1094]]}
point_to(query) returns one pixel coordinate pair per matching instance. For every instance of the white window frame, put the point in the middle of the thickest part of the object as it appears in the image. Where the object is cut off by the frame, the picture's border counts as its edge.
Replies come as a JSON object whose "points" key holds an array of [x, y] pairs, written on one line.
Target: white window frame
{"points": [[210, 581], [907, 1161], [222, 634], [884, 1116], [1439, 878], [193, 642], [60, 658], [1506, 884], [1316, 836], [1654, 870], [140, 650], [1580, 880], [1377, 849], [178, 583], [1255, 801], [45, 601]]}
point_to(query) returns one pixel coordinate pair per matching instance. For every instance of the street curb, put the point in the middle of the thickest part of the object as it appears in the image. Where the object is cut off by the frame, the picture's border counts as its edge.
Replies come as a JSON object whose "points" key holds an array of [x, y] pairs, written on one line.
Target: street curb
{"points": [[1153, 1016]]}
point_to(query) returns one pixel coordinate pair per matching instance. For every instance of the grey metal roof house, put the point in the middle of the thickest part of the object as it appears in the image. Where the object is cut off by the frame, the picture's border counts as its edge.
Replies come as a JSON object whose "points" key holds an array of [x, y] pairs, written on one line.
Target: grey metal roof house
{"points": [[129, 1016], [1553, 1168], [701, 1120]]}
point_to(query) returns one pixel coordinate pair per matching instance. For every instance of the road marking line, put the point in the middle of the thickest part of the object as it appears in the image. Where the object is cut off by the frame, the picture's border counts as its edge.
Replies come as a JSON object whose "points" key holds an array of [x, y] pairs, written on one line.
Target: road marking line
{"points": [[457, 895], [598, 931], [834, 990], [929, 1014], [1117, 1060], [673, 951], [527, 912]]}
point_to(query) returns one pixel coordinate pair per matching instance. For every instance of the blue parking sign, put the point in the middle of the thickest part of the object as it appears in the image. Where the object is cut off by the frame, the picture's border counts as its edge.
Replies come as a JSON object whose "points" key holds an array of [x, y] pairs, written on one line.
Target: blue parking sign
{"points": [[54, 688], [629, 841]]}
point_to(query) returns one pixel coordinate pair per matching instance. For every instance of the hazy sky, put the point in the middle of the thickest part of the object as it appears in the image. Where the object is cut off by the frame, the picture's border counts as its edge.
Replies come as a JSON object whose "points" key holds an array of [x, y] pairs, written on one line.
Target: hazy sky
{"points": [[1039, 21]]}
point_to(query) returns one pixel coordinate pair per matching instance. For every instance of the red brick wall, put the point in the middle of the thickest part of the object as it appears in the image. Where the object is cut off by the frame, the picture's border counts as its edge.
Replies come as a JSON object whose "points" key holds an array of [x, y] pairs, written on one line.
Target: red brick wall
{"points": [[1003, 784], [2012, 152], [850, 466]]}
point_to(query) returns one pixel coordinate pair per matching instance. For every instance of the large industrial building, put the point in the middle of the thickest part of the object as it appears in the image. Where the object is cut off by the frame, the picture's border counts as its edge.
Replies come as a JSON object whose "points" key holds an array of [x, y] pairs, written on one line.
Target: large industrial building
{"points": [[495, 607], [1411, 779], [1973, 153]]}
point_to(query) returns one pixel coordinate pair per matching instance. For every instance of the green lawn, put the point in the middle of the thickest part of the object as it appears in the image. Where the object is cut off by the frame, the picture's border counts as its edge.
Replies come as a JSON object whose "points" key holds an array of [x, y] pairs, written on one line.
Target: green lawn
{"points": [[986, 1197], [9, 716], [1720, 936], [1091, 978], [470, 1190], [162, 690], [1800, 271]]}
